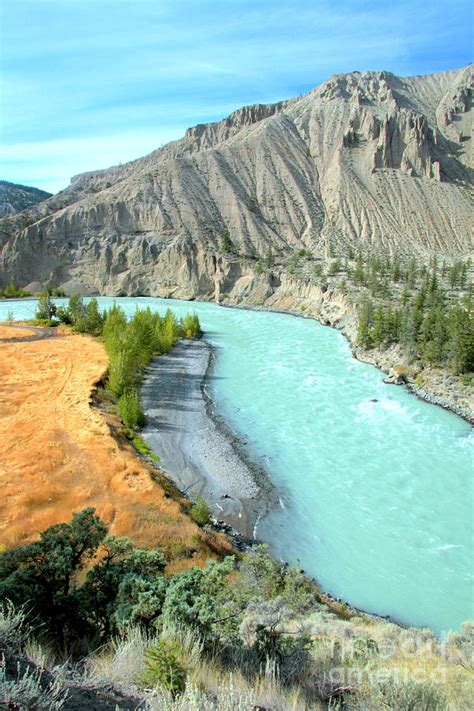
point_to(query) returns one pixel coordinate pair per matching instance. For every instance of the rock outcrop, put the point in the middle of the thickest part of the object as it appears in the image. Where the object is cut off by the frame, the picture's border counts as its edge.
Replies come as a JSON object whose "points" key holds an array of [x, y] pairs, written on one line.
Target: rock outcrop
{"points": [[366, 160]]}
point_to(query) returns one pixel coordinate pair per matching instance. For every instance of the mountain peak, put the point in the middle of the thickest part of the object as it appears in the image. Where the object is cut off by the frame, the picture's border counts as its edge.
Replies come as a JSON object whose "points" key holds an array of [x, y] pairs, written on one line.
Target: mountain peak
{"points": [[367, 160]]}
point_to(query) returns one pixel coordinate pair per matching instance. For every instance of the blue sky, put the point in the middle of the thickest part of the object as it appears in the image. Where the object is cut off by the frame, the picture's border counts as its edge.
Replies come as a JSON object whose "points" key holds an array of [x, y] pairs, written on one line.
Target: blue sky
{"points": [[90, 83]]}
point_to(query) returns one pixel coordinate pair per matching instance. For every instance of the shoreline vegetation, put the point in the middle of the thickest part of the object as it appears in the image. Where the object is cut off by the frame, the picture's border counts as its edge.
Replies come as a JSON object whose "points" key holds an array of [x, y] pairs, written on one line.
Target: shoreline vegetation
{"points": [[413, 320], [244, 631]]}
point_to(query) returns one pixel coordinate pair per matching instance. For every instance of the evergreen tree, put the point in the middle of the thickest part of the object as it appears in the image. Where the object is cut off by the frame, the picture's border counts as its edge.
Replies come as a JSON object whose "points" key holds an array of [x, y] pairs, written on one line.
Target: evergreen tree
{"points": [[359, 273], [412, 273], [366, 315], [460, 347]]}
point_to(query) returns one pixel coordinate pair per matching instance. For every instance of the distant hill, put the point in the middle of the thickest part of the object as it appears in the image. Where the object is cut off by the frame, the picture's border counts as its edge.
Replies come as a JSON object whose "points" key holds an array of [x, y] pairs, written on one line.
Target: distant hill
{"points": [[15, 198]]}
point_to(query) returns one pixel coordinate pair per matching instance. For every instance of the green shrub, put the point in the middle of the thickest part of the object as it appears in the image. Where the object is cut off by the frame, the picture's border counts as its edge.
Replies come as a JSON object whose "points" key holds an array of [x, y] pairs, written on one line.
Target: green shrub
{"points": [[39, 576], [130, 410], [163, 668], [142, 447], [191, 326], [200, 513], [54, 290], [86, 319], [123, 372], [63, 315], [318, 271], [12, 291], [170, 331], [46, 308]]}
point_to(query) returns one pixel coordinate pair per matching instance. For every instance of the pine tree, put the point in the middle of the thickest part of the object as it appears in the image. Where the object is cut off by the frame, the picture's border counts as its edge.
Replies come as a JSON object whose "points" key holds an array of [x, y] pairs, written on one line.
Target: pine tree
{"points": [[412, 273], [366, 312], [359, 273], [460, 347]]}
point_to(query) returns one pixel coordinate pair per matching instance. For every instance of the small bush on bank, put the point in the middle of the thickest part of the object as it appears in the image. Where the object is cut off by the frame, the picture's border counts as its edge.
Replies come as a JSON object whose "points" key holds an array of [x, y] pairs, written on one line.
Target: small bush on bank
{"points": [[191, 326], [12, 291], [43, 322], [200, 513], [63, 315], [90, 320], [46, 309], [142, 447], [130, 410], [163, 668]]}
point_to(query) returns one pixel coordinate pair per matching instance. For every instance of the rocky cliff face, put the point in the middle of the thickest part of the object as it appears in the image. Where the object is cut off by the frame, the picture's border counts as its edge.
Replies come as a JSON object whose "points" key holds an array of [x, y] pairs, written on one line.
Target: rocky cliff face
{"points": [[366, 160]]}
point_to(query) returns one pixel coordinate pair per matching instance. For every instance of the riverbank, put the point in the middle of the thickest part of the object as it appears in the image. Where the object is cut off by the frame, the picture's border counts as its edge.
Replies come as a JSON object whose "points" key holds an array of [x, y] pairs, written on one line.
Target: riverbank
{"points": [[387, 361], [330, 306], [196, 450]]}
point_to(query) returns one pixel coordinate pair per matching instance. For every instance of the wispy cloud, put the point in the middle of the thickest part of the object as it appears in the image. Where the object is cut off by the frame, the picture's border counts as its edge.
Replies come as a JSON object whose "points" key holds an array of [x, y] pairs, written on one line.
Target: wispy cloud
{"points": [[48, 162], [79, 76]]}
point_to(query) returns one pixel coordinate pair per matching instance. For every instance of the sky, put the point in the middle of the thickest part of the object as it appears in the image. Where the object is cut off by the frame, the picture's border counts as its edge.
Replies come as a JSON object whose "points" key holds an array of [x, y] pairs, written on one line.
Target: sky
{"points": [[85, 84]]}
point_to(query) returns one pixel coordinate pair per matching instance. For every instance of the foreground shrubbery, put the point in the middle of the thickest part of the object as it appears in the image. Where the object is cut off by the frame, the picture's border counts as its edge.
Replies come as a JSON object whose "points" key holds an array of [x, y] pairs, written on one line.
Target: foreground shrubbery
{"points": [[228, 636]]}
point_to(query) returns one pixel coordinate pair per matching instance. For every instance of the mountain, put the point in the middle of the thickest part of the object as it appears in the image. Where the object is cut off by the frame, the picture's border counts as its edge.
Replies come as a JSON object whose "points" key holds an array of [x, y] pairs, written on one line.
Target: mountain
{"points": [[366, 161], [15, 198]]}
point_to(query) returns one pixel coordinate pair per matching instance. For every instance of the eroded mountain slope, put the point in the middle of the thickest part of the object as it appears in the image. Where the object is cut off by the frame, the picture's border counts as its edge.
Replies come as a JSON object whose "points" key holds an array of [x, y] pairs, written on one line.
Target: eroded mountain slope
{"points": [[366, 160]]}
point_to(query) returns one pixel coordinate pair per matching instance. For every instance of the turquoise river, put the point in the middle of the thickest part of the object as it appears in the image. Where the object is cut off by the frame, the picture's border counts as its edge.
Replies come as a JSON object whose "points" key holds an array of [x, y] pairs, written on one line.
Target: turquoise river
{"points": [[375, 486]]}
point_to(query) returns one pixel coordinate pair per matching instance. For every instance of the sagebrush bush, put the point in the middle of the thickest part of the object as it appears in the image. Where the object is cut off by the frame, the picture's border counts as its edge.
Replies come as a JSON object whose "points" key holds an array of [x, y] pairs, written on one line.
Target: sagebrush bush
{"points": [[13, 627], [28, 690], [401, 695], [252, 617]]}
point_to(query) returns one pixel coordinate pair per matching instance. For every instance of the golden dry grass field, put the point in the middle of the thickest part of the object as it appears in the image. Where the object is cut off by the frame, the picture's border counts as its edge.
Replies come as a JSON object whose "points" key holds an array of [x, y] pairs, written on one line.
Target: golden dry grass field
{"points": [[59, 454]]}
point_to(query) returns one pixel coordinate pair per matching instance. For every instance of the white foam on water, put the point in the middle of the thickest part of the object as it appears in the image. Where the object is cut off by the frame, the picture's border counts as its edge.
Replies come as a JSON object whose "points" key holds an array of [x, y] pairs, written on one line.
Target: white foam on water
{"points": [[392, 406], [365, 409], [446, 547], [465, 441], [310, 380], [254, 532]]}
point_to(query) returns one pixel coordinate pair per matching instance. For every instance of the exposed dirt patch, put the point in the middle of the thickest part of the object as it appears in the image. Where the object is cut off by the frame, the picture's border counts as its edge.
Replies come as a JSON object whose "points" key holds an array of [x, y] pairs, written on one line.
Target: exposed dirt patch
{"points": [[58, 454]]}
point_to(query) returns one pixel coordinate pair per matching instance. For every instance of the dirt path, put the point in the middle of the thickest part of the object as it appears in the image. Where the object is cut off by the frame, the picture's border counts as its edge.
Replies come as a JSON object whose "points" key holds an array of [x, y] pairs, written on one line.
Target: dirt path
{"points": [[57, 453], [14, 332]]}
